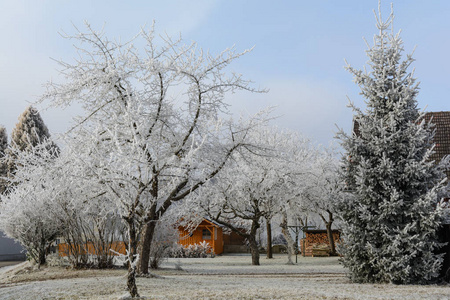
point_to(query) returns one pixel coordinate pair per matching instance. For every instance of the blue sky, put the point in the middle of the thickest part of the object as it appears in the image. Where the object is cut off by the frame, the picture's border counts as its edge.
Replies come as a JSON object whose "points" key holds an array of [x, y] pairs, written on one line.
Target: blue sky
{"points": [[300, 47]]}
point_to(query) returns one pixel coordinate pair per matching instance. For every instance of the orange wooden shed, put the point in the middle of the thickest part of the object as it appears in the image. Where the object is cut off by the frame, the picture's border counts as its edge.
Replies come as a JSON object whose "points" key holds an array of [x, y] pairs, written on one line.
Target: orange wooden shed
{"points": [[207, 231]]}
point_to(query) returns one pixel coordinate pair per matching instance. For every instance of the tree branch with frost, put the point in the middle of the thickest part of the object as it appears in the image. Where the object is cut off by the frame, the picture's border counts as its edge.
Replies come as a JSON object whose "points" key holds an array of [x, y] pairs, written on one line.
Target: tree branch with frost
{"points": [[151, 120]]}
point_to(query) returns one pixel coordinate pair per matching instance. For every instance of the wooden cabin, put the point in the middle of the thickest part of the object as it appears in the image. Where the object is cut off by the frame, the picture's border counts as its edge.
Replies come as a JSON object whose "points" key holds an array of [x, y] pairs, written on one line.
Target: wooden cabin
{"points": [[316, 242], [207, 231]]}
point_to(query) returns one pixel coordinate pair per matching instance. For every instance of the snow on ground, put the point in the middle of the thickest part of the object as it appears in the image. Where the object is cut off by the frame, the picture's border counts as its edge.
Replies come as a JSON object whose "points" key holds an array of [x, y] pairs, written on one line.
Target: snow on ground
{"points": [[222, 277]]}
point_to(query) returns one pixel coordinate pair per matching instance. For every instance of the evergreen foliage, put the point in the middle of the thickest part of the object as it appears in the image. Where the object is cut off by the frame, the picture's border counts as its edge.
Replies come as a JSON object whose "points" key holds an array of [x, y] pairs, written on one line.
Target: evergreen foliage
{"points": [[389, 214], [29, 131], [3, 163], [3, 141]]}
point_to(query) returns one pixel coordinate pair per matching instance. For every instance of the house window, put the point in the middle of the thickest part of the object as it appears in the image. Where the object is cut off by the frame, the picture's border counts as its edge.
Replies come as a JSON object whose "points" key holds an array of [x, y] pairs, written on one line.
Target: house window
{"points": [[206, 234]]}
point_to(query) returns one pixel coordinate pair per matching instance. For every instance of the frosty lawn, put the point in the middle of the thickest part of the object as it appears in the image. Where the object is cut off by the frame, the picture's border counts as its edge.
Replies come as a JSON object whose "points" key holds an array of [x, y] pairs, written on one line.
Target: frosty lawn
{"points": [[222, 277]]}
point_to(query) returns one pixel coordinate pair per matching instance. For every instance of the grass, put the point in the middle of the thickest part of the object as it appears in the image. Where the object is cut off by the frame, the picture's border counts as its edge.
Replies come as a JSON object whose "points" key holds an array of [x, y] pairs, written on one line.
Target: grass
{"points": [[222, 277]]}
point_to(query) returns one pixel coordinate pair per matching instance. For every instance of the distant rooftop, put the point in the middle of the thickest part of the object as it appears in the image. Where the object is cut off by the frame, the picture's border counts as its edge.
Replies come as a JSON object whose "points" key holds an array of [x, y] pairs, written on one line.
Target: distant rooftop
{"points": [[442, 135], [441, 119]]}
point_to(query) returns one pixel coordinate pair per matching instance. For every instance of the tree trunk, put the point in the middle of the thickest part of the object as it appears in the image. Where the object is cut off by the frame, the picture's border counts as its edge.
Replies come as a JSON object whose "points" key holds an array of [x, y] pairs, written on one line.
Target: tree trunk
{"points": [[330, 234], [132, 249], [331, 240], [269, 239], [41, 250], [41, 258], [288, 237], [254, 250], [145, 246], [252, 242]]}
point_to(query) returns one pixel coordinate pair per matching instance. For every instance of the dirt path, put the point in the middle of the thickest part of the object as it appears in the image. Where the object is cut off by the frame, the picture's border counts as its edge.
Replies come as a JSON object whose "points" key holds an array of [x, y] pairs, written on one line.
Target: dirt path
{"points": [[9, 263]]}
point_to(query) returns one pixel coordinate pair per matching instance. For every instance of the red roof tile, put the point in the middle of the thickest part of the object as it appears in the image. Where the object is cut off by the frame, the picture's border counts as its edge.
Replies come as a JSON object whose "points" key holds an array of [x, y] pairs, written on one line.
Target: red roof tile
{"points": [[441, 120], [442, 135]]}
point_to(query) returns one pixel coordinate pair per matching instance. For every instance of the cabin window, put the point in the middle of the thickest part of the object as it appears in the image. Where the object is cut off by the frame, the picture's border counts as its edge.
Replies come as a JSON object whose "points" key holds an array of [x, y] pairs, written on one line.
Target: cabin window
{"points": [[215, 234], [206, 234]]}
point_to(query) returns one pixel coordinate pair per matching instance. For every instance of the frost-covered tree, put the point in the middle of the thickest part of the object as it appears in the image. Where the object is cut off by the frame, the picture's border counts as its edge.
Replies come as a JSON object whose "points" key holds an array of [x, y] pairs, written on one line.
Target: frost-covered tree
{"points": [[26, 212], [254, 185], [3, 160], [50, 196], [24, 167], [389, 213], [85, 211], [29, 132], [323, 190], [297, 159], [152, 132]]}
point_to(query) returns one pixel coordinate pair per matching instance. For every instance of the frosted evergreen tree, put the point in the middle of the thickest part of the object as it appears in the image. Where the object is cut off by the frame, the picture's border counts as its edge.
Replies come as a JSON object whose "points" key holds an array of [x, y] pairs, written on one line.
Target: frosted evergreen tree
{"points": [[3, 162], [3, 141], [389, 215], [29, 131]]}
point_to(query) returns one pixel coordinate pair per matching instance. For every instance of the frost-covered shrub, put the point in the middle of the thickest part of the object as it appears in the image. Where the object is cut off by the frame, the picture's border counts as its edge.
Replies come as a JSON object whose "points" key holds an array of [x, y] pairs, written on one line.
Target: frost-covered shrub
{"points": [[55, 260], [177, 251], [200, 250], [89, 238]]}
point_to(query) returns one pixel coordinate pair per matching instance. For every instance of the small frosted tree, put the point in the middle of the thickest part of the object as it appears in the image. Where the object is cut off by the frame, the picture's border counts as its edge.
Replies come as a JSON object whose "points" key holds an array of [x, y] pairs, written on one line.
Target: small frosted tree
{"points": [[389, 213], [23, 170], [26, 211]]}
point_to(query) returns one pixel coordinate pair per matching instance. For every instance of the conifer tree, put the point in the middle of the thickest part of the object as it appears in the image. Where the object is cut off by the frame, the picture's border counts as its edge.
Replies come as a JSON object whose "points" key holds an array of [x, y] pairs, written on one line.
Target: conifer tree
{"points": [[389, 215], [3, 162], [29, 131], [3, 141]]}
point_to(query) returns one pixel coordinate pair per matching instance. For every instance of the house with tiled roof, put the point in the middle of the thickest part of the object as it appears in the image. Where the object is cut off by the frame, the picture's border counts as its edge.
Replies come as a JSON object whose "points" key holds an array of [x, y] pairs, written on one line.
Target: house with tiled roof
{"points": [[441, 120]]}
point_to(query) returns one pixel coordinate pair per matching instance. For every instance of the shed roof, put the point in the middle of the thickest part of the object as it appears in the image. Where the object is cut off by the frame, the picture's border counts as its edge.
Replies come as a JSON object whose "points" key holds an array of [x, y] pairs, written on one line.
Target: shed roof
{"points": [[213, 222], [319, 231]]}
